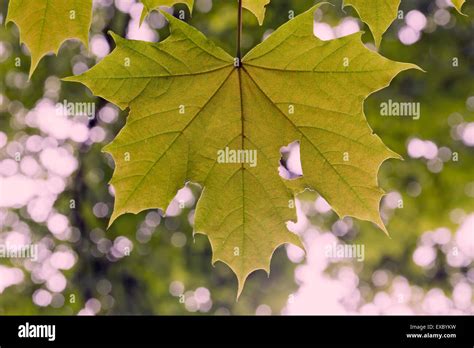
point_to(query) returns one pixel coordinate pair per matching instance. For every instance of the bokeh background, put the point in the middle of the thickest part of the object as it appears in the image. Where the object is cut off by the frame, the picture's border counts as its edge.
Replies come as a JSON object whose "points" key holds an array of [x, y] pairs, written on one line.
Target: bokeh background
{"points": [[50, 163]]}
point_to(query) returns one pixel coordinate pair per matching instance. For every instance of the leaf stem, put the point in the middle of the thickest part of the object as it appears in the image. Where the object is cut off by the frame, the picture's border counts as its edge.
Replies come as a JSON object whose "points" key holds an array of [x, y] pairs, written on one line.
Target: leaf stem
{"points": [[239, 34]]}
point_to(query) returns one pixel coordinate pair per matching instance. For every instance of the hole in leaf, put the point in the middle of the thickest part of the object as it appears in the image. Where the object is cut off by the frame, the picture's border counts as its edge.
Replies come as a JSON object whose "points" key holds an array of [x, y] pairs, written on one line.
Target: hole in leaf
{"points": [[290, 163]]}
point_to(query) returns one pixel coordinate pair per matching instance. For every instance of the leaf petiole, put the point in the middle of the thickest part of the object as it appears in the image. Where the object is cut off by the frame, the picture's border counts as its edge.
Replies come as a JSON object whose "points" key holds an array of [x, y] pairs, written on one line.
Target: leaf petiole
{"points": [[239, 34]]}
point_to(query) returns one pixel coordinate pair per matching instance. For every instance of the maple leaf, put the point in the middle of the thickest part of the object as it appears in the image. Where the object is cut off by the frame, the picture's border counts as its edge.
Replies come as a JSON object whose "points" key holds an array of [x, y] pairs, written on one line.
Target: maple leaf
{"points": [[150, 5], [189, 104], [45, 24], [257, 7], [378, 15]]}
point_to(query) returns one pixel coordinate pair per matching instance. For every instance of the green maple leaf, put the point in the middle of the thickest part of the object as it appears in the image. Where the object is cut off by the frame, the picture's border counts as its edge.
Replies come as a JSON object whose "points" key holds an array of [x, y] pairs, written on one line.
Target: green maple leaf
{"points": [[378, 14], [188, 101], [257, 7], [150, 5], [45, 24]]}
